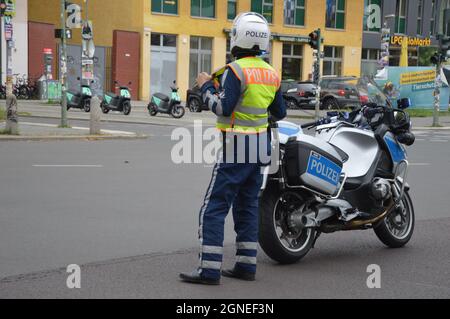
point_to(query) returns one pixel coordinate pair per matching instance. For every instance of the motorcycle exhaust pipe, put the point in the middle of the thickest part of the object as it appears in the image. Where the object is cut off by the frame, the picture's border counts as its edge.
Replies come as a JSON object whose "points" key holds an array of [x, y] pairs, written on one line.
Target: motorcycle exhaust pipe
{"points": [[309, 220]]}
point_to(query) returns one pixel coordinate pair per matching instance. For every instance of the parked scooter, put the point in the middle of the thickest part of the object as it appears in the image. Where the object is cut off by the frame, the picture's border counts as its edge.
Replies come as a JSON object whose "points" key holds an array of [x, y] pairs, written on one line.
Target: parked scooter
{"points": [[114, 102], [161, 103], [80, 100]]}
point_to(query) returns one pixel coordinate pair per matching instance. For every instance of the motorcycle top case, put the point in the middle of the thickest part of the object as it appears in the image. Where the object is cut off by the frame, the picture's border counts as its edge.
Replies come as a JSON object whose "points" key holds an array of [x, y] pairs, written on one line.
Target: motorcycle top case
{"points": [[313, 163]]}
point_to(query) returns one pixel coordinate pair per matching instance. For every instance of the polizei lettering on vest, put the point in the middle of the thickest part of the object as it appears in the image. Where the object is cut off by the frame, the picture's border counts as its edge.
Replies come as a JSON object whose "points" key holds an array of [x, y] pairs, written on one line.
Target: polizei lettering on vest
{"points": [[324, 171], [261, 76], [255, 34]]}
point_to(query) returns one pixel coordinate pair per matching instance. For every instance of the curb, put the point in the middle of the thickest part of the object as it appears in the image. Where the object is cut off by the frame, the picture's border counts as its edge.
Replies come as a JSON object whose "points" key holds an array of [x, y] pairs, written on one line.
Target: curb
{"points": [[137, 122], [71, 138], [430, 128]]}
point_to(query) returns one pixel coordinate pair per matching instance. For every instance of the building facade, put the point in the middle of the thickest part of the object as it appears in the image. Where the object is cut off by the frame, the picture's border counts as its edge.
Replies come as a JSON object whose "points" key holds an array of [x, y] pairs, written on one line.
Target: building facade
{"points": [[419, 20], [154, 42]]}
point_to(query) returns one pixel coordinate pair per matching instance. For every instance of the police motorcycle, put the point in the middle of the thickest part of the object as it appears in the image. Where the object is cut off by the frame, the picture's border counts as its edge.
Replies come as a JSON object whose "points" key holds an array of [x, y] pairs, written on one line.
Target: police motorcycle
{"points": [[80, 100], [350, 176], [121, 102], [161, 103]]}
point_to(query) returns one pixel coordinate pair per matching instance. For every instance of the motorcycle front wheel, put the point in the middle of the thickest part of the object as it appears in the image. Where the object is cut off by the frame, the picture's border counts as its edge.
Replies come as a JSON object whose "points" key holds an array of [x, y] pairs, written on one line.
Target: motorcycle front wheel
{"points": [[87, 105], [178, 111], [280, 242], [396, 230], [126, 108]]}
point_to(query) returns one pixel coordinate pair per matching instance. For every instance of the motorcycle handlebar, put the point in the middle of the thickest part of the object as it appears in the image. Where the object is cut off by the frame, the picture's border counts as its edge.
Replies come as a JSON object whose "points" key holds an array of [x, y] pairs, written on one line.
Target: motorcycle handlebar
{"points": [[314, 124]]}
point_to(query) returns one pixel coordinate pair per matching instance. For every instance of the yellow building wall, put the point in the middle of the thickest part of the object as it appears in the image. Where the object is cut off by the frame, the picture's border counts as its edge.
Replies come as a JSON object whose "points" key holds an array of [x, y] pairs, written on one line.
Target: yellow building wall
{"points": [[135, 15], [107, 16], [350, 38]]}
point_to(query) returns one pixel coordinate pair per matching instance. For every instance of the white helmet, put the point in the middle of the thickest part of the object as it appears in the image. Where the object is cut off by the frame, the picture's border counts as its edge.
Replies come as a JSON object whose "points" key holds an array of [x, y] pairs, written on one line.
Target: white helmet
{"points": [[250, 31]]}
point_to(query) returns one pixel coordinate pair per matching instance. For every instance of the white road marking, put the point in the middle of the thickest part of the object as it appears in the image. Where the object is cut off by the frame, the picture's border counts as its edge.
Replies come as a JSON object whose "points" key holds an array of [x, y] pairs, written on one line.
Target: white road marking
{"points": [[419, 164], [69, 166], [439, 141]]}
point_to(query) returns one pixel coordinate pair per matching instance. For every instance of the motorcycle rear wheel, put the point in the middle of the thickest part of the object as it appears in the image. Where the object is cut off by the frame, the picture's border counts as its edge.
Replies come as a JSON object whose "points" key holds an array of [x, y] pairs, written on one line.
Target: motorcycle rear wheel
{"points": [[152, 109], [104, 107], [275, 239]]}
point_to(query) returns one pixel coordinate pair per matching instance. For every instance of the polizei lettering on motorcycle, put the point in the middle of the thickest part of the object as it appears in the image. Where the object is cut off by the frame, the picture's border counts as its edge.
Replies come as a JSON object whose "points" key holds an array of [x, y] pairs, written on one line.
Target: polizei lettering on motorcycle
{"points": [[255, 34], [323, 168]]}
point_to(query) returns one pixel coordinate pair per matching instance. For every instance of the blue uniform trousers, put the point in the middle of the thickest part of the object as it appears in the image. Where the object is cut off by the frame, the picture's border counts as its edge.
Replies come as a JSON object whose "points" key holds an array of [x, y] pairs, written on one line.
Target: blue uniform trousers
{"points": [[237, 186]]}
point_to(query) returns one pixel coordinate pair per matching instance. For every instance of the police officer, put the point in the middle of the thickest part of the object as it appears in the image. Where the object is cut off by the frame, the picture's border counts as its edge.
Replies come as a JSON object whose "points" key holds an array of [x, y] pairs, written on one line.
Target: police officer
{"points": [[249, 91]]}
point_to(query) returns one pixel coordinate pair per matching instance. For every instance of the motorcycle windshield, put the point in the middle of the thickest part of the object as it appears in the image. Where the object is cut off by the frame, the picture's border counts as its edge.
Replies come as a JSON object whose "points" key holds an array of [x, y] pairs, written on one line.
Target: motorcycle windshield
{"points": [[370, 92]]}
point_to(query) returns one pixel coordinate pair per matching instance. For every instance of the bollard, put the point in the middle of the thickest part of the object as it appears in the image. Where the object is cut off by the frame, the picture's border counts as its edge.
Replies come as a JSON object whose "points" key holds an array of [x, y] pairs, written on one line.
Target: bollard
{"points": [[12, 125], [96, 114]]}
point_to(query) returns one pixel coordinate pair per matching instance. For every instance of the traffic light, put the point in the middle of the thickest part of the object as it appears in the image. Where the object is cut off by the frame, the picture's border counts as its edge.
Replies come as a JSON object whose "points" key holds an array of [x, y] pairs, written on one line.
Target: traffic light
{"points": [[315, 39], [444, 46], [438, 58]]}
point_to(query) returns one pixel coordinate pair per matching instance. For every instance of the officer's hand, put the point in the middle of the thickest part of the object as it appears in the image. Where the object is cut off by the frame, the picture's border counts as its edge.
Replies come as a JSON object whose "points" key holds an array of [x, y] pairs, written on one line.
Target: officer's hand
{"points": [[203, 78]]}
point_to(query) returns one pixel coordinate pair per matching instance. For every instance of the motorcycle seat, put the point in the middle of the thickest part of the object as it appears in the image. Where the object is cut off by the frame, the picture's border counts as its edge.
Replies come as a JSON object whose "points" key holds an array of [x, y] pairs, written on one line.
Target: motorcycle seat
{"points": [[162, 97], [110, 94], [78, 94]]}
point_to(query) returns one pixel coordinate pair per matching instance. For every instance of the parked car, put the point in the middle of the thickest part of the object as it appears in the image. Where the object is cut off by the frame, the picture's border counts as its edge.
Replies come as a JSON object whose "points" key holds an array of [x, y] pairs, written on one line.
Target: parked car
{"points": [[299, 94], [339, 93], [194, 101]]}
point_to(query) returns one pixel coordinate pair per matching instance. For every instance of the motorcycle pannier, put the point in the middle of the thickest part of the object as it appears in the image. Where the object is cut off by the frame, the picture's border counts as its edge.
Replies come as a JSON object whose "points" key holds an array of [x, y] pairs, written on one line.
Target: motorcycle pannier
{"points": [[313, 163]]}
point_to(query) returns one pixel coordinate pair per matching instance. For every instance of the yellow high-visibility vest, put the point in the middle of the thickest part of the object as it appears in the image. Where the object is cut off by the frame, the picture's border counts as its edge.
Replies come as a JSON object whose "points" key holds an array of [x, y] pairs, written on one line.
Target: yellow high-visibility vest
{"points": [[259, 85]]}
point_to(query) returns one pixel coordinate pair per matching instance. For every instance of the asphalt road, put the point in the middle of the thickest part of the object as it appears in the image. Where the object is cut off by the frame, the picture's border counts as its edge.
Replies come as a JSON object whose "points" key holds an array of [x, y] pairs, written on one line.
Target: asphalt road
{"points": [[129, 216]]}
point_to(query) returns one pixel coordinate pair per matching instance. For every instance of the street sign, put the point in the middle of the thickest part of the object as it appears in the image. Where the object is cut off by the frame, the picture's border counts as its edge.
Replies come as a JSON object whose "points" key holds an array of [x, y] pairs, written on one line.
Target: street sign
{"points": [[88, 42], [9, 29], [8, 8]]}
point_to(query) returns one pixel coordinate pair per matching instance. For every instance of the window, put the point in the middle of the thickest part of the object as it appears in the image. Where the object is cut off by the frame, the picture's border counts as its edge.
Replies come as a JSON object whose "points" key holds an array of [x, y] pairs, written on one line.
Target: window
{"points": [[292, 61], [369, 64], [420, 17], [232, 9], [203, 8], [200, 57], [433, 18], [400, 19], [332, 63], [163, 69], [265, 7], [229, 57], [294, 12], [164, 6], [369, 12], [335, 15]]}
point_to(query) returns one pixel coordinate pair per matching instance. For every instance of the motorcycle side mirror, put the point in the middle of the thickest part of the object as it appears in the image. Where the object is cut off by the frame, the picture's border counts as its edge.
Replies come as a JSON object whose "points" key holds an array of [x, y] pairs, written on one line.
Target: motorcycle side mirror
{"points": [[174, 82], [78, 78], [115, 82], [92, 81], [129, 83], [403, 104]]}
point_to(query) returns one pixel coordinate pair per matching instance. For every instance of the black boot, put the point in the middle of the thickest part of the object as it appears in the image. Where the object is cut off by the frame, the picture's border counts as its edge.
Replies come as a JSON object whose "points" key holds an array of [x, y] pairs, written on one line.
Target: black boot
{"points": [[239, 274], [196, 278]]}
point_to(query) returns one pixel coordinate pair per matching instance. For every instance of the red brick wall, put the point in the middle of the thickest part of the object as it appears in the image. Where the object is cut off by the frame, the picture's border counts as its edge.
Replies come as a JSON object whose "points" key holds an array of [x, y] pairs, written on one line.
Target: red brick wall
{"points": [[40, 36], [126, 60]]}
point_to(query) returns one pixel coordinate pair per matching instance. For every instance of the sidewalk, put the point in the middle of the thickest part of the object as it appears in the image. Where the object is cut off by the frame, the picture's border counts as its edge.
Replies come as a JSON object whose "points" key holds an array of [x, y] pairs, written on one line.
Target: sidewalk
{"points": [[41, 131], [139, 115]]}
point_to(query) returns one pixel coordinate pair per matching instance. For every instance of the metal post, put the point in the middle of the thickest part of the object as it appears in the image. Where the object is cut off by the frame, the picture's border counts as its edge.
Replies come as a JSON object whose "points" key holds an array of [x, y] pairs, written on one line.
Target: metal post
{"points": [[437, 92], [317, 71], [63, 66]]}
